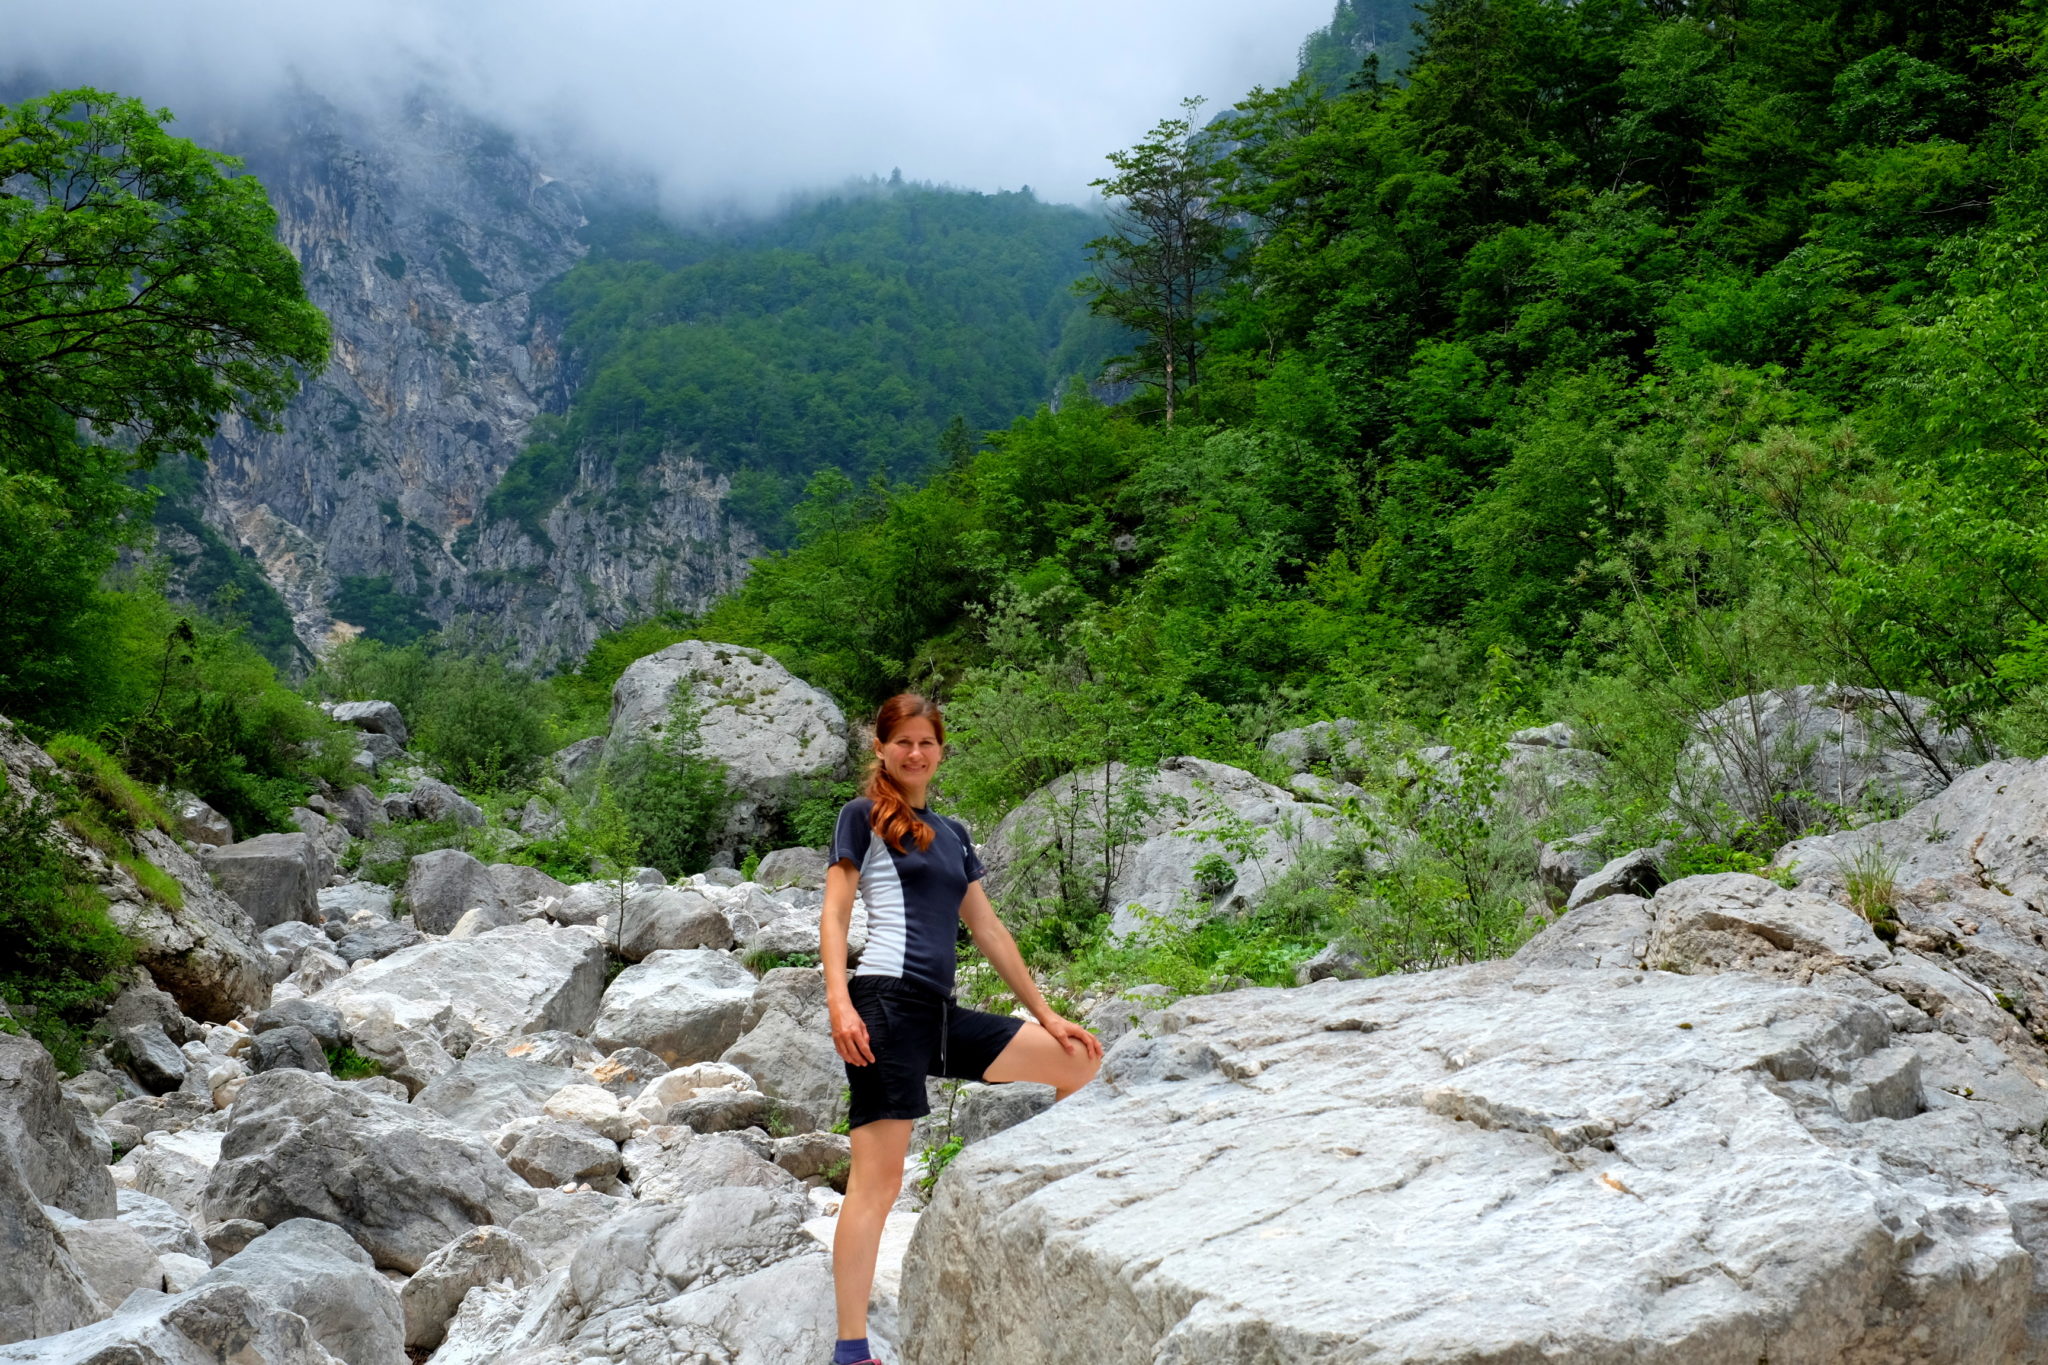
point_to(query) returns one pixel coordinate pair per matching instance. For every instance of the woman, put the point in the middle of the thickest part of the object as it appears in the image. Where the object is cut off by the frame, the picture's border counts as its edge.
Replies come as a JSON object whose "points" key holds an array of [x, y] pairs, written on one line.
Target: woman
{"points": [[896, 1022]]}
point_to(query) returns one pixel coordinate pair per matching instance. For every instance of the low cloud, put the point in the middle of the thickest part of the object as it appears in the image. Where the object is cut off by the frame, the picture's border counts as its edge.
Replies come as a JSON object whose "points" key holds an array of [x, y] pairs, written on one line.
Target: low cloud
{"points": [[719, 103]]}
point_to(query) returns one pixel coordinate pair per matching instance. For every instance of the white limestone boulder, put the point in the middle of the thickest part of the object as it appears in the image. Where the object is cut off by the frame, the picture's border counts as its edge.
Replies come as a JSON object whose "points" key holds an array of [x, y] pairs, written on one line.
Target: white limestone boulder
{"points": [[1707, 1167], [1181, 801], [769, 728], [522, 978], [683, 1005]]}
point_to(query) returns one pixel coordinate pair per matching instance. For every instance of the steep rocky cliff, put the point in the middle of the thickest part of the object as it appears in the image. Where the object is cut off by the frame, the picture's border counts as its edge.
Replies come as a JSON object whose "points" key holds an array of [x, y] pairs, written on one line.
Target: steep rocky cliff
{"points": [[425, 235]]}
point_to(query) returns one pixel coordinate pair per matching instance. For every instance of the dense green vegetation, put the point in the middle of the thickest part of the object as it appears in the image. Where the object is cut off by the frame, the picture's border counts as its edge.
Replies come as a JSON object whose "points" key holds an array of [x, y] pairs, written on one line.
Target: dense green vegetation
{"points": [[847, 334], [1622, 359]]}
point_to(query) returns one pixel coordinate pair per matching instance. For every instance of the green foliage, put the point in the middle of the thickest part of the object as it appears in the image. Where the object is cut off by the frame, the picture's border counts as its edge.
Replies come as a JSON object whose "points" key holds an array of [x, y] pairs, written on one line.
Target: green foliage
{"points": [[386, 856], [672, 799], [487, 724], [934, 1161], [62, 960], [385, 614], [347, 1064], [147, 297], [844, 335]]}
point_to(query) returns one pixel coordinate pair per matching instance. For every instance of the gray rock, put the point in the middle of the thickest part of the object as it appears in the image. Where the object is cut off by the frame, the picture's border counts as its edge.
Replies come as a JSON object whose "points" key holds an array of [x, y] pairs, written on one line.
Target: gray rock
{"points": [[1334, 960], [724, 1111], [1848, 747], [1635, 873], [318, 1272], [356, 809], [1614, 932], [554, 1153], [539, 820], [982, 1111], [575, 761], [683, 1005], [433, 799], [291, 1046], [289, 941], [159, 1113], [1736, 921], [803, 867], [381, 748], [669, 917], [560, 1222], [182, 1272], [550, 1047], [770, 729], [1187, 797], [43, 1290], [275, 878], [1561, 866], [200, 823], [372, 717], [164, 1227], [350, 899], [482, 919], [377, 941], [48, 1137], [228, 1236], [1339, 744], [206, 1326], [204, 952], [1556, 735], [1646, 1121], [481, 1256], [115, 1259], [519, 885], [322, 1021], [330, 842], [626, 1072], [174, 1167], [815, 1156], [399, 1179], [1120, 1014], [95, 1091], [674, 1165], [397, 807], [787, 1048], [442, 885], [524, 978], [731, 1278], [151, 1057]]}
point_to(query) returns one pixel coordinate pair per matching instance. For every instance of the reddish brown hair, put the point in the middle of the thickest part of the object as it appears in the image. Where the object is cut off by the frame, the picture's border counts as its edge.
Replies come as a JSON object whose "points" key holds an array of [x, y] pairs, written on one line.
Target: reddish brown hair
{"points": [[892, 817]]}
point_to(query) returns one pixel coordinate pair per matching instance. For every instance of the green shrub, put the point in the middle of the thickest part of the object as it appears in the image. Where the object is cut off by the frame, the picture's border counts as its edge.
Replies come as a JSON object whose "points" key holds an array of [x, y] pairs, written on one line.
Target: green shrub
{"points": [[673, 798], [61, 958], [347, 1064], [106, 807], [487, 724]]}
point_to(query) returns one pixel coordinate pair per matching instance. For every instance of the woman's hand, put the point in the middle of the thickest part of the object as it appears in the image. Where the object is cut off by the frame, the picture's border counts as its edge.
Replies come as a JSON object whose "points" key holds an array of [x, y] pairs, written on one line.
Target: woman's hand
{"points": [[1071, 1036], [850, 1034]]}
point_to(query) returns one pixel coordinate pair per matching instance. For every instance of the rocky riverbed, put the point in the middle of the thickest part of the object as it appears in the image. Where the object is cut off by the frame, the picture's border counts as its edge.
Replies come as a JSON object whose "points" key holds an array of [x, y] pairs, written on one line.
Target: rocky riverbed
{"points": [[486, 1116]]}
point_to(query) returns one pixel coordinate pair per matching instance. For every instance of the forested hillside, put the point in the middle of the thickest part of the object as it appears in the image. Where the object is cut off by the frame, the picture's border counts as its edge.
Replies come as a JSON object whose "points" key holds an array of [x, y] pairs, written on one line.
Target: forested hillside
{"points": [[849, 333], [1641, 354]]}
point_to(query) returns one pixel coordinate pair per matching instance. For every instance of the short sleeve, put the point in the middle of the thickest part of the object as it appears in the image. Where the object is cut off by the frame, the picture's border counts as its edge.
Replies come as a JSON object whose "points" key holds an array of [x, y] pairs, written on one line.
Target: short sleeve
{"points": [[973, 859], [851, 836]]}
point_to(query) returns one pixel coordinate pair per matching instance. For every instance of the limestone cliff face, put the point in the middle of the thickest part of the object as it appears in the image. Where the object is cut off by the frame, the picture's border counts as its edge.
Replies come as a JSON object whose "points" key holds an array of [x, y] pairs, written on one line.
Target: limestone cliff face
{"points": [[425, 235]]}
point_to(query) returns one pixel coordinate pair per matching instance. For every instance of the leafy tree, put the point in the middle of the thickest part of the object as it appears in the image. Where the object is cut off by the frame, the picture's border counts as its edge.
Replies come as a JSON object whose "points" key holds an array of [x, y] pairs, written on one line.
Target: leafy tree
{"points": [[144, 296], [1159, 270]]}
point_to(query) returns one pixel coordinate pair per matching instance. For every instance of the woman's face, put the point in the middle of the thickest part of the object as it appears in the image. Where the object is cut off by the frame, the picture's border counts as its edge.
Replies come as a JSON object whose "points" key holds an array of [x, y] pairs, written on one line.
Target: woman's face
{"points": [[912, 753]]}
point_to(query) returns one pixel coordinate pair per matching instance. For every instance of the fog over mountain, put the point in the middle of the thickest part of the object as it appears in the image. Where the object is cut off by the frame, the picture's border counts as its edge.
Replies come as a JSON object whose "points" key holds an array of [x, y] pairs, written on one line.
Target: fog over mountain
{"points": [[718, 103]]}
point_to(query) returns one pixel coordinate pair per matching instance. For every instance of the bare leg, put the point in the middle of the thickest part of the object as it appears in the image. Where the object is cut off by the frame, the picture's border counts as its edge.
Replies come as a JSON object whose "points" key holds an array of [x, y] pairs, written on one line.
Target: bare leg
{"points": [[871, 1188], [1035, 1055]]}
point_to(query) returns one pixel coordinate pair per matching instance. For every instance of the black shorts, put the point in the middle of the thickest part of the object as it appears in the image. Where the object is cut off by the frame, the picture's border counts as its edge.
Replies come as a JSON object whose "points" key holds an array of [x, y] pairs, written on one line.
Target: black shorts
{"points": [[915, 1032]]}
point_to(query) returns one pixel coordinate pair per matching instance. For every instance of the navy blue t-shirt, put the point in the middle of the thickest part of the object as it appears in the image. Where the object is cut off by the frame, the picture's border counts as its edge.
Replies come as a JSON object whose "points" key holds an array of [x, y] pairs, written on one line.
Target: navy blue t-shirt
{"points": [[913, 897]]}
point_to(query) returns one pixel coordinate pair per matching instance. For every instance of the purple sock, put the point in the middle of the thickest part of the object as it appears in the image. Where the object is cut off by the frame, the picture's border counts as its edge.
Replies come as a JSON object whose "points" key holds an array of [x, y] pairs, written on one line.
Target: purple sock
{"points": [[852, 1352]]}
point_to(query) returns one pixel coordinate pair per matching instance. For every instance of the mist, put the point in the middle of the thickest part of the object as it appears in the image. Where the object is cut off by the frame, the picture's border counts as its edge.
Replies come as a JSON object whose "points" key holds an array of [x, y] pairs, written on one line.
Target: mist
{"points": [[721, 105]]}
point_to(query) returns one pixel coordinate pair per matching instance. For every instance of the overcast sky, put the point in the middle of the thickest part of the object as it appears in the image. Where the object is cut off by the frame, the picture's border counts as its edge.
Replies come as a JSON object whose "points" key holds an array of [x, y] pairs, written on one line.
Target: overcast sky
{"points": [[742, 99]]}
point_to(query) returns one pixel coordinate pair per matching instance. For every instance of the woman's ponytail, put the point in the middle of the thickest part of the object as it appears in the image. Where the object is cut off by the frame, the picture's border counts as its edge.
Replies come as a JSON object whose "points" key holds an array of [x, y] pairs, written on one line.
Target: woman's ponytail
{"points": [[891, 815]]}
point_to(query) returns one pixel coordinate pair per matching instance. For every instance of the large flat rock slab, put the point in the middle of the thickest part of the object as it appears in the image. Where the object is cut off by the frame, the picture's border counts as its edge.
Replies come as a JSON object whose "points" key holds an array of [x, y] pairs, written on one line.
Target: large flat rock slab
{"points": [[1496, 1163], [523, 978]]}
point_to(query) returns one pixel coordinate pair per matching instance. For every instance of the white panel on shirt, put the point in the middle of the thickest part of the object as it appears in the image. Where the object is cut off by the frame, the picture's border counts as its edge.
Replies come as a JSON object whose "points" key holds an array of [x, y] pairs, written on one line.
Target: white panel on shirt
{"points": [[888, 920]]}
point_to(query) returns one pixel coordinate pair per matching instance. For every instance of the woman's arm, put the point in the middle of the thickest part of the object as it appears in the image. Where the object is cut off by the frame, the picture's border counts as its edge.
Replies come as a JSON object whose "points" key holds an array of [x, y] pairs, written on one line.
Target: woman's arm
{"points": [[993, 938], [849, 1033]]}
